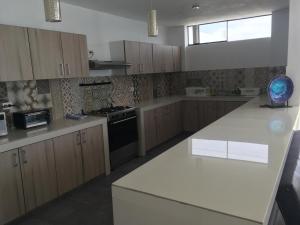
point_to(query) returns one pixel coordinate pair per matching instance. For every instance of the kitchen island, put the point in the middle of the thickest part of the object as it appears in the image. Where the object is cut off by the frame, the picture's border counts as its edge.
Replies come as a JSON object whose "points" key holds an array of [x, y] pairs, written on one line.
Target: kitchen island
{"points": [[226, 174]]}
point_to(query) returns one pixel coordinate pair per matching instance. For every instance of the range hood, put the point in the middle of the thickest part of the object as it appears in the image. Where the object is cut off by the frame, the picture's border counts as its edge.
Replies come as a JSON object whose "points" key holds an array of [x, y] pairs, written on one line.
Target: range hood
{"points": [[107, 65]]}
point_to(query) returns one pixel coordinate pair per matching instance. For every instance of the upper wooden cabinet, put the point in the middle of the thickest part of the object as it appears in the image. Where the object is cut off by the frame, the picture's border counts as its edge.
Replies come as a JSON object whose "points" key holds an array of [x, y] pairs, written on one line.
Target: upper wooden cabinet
{"points": [[140, 56], [11, 193], [163, 59], [176, 58], [15, 62], [38, 173], [57, 55]]}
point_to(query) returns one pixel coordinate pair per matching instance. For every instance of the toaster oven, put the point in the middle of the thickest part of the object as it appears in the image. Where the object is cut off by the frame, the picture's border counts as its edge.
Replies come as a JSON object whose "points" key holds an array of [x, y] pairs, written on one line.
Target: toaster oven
{"points": [[30, 119]]}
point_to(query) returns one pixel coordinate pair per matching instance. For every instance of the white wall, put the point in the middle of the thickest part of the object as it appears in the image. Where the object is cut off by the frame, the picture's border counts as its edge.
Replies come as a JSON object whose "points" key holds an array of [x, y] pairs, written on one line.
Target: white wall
{"points": [[293, 69], [239, 54], [100, 28]]}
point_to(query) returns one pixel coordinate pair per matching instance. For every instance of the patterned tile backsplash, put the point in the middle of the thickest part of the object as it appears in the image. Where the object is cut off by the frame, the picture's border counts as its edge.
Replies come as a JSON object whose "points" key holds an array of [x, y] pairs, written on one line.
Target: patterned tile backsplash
{"points": [[66, 96]]}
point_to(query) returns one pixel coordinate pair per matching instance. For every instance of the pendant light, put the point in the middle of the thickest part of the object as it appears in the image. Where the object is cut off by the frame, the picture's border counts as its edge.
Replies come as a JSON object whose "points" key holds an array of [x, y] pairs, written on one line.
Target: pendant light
{"points": [[152, 22], [52, 10]]}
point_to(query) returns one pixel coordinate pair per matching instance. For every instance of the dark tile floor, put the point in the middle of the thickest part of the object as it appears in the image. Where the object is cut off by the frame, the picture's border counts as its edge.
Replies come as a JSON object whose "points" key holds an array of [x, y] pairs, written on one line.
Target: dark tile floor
{"points": [[90, 204]]}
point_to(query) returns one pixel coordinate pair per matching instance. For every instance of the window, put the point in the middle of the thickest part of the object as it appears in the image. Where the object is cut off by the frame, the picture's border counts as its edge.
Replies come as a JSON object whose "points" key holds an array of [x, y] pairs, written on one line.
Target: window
{"points": [[214, 32], [231, 30]]}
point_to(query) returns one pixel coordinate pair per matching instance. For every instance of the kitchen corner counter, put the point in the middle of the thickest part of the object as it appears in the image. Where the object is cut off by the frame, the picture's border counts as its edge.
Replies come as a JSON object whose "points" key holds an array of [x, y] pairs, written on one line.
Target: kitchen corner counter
{"points": [[159, 102], [227, 173], [18, 138]]}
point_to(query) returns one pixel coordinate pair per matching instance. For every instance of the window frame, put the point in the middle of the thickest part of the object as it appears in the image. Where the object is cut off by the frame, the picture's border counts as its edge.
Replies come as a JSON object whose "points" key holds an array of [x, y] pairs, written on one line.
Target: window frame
{"points": [[222, 21]]}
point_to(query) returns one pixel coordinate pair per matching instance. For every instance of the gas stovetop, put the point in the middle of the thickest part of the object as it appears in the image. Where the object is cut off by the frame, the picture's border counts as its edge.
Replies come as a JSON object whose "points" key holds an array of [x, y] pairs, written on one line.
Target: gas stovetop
{"points": [[115, 112]]}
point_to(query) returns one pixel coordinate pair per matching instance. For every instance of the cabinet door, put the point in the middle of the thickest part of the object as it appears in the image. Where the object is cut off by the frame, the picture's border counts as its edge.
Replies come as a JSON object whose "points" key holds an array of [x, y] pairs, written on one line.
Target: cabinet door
{"points": [[150, 129], [84, 55], [146, 60], [178, 127], [38, 173], [67, 151], [71, 54], [15, 62], [158, 59], [168, 64], [176, 58], [92, 152], [46, 54], [190, 116], [132, 56], [11, 193], [210, 112]]}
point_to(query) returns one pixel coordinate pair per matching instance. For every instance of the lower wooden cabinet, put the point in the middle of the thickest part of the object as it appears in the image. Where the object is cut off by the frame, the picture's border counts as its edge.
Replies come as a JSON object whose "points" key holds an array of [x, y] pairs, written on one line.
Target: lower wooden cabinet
{"points": [[191, 116], [150, 129], [68, 158], [92, 152], [38, 173], [11, 191]]}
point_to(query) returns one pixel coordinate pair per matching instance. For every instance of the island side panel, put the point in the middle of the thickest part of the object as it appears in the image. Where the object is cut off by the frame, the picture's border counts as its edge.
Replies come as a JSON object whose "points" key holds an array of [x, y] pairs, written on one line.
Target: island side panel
{"points": [[136, 208]]}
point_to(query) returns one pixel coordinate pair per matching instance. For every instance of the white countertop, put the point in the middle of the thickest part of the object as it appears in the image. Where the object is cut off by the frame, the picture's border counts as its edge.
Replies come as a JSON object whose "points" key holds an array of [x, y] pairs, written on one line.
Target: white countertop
{"points": [[248, 149], [18, 138], [159, 102]]}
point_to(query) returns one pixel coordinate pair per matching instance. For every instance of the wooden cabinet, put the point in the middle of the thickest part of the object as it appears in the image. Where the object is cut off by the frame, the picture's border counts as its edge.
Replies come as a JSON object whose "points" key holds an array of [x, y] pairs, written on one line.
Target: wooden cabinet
{"points": [[46, 54], [84, 55], [57, 55], [68, 158], [146, 59], [163, 58], [150, 129], [132, 56], [71, 54], [176, 58], [139, 55], [162, 124], [92, 152], [38, 173], [11, 193], [190, 116], [15, 62]]}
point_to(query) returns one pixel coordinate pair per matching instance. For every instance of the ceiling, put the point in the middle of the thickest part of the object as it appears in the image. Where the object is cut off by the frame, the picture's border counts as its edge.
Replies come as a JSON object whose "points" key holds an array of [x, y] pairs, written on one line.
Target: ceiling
{"points": [[180, 12]]}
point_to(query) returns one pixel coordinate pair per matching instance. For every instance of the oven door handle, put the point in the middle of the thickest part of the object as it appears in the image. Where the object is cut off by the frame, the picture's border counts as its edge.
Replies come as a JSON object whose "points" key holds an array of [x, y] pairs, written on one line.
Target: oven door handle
{"points": [[124, 120]]}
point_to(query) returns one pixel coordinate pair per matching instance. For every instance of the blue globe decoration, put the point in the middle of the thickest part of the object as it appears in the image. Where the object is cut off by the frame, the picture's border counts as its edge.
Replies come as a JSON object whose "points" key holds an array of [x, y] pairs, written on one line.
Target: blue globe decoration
{"points": [[280, 89]]}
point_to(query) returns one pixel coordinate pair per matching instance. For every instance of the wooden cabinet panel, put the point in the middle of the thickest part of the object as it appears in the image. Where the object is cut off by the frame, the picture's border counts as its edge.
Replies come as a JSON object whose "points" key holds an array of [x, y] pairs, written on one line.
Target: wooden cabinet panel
{"points": [[210, 112], [190, 116], [146, 60], [230, 106], [71, 54], [176, 58], [46, 54], [38, 173], [168, 63], [132, 56], [67, 150], [92, 152], [11, 193], [150, 129], [15, 62], [158, 59], [84, 55]]}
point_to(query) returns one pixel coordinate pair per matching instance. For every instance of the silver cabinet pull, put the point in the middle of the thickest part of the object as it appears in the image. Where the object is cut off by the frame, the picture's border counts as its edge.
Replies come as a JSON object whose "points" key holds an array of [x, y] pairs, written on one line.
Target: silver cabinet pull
{"points": [[62, 69], [68, 72], [15, 162], [24, 159]]}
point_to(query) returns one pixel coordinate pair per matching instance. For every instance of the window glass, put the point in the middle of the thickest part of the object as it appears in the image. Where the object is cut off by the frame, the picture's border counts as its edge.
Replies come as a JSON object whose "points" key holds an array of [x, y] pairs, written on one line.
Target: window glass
{"points": [[214, 32], [252, 28], [190, 35]]}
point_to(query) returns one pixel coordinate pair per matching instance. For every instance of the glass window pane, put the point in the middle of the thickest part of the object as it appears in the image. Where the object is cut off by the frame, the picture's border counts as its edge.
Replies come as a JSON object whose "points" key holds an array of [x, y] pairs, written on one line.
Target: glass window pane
{"points": [[257, 27], [213, 32], [190, 35]]}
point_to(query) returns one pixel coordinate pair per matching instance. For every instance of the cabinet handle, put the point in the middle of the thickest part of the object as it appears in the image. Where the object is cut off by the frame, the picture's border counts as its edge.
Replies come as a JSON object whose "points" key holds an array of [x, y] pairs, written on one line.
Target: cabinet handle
{"points": [[68, 69], [78, 138], [62, 69], [15, 162], [23, 154]]}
